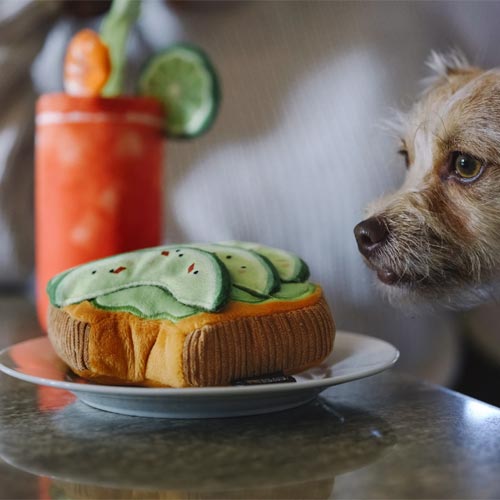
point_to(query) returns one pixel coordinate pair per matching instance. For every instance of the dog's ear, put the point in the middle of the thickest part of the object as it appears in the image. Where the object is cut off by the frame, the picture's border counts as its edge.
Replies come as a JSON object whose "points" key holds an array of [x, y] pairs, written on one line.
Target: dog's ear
{"points": [[446, 65]]}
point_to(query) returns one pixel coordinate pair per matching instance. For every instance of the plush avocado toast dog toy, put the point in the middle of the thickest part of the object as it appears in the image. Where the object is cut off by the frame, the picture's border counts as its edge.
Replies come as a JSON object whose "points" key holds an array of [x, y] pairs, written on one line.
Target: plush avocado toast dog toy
{"points": [[189, 315]]}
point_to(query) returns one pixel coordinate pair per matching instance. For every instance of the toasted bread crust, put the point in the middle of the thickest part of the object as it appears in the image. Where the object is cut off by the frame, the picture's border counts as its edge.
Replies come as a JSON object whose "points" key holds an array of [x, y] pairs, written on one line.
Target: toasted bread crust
{"points": [[70, 338], [116, 347], [288, 341]]}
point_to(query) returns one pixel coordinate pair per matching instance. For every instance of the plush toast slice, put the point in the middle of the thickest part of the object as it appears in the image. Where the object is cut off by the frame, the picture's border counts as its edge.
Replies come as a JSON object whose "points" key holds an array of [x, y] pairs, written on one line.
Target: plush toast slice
{"points": [[205, 349]]}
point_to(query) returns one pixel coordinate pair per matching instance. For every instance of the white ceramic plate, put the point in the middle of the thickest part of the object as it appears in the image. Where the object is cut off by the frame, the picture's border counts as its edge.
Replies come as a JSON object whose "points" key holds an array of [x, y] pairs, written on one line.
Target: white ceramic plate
{"points": [[355, 356]]}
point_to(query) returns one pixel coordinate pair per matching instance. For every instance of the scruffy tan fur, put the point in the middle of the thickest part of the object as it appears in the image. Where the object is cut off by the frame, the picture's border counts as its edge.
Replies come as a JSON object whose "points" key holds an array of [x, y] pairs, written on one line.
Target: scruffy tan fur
{"points": [[444, 234]]}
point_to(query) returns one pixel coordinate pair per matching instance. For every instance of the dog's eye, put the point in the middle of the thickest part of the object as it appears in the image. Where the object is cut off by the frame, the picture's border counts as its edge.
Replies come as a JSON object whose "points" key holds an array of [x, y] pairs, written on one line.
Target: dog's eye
{"points": [[404, 153], [466, 167]]}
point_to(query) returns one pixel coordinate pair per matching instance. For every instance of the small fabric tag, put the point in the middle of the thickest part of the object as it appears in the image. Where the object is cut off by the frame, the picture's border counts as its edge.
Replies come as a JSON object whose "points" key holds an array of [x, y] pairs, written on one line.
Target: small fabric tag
{"points": [[271, 378]]}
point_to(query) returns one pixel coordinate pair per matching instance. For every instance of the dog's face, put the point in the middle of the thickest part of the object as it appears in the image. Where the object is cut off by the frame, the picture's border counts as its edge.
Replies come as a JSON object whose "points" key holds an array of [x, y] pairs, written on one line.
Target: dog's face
{"points": [[438, 237]]}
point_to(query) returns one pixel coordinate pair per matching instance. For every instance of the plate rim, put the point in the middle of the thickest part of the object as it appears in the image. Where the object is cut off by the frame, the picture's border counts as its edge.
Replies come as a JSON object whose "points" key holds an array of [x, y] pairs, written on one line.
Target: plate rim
{"points": [[134, 391]]}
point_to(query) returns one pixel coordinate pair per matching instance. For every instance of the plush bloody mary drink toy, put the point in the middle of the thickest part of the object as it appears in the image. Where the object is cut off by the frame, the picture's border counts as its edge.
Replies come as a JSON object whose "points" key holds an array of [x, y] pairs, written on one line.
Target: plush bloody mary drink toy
{"points": [[99, 154]]}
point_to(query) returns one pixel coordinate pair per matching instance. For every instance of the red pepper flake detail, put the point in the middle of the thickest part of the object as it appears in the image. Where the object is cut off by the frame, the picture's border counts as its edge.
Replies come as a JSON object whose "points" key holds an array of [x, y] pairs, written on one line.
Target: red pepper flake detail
{"points": [[191, 267], [166, 253], [118, 270]]}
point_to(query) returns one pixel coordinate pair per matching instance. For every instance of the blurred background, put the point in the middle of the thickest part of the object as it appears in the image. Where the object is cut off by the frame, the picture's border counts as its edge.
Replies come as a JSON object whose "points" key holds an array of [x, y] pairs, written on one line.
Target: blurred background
{"points": [[296, 153]]}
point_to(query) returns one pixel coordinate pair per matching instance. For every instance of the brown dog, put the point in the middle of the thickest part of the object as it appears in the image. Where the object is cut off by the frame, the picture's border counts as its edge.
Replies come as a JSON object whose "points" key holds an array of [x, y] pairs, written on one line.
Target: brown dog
{"points": [[438, 236]]}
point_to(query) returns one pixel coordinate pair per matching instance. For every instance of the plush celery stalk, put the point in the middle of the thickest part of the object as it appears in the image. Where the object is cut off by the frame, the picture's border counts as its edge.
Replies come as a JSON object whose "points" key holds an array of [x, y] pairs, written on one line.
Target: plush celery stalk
{"points": [[114, 33]]}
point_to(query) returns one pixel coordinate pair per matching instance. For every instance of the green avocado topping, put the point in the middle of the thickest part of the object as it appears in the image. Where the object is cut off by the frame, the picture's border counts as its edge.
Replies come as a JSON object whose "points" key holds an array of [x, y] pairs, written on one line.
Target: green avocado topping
{"points": [[174, 282]]}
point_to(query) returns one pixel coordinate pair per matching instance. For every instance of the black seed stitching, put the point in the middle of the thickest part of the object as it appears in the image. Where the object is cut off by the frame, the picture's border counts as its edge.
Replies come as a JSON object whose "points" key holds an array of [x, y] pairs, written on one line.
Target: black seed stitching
{"points": [[111, 270], [196, 272], [243, 267], [93, 272], [228, 256], [177, 250], [180, 255]]}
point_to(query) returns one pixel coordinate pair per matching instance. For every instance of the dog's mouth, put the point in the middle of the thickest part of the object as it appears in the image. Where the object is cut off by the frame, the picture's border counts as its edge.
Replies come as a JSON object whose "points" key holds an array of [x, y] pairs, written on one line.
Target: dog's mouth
{"points": [[387, 275]]}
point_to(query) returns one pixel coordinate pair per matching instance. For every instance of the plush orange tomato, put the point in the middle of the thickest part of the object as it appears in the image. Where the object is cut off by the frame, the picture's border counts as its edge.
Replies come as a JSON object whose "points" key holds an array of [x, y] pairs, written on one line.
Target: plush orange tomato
{"points": [[87, 65]]}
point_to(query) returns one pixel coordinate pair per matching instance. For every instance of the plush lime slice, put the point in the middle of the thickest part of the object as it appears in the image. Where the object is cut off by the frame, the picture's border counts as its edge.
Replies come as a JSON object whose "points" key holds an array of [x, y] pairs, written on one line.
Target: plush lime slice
{"points": [[184, 80], [290, 267]]}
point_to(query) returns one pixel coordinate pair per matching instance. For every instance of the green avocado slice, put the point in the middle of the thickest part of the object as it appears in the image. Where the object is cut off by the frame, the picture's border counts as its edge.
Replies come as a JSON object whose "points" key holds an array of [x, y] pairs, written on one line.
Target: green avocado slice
{"points": [[290, 291], [290, 267], [240, 295], [146, 301], [248, 270], [194, 277]]}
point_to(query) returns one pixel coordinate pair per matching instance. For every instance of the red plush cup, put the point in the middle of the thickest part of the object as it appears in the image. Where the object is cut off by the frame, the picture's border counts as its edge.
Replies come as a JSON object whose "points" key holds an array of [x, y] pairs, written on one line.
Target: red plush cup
{"points": [[98, 181]]}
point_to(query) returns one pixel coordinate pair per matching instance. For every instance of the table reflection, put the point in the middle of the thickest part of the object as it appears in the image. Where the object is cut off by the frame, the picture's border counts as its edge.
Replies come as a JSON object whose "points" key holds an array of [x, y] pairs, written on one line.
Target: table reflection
{"points": [[79, 452]]}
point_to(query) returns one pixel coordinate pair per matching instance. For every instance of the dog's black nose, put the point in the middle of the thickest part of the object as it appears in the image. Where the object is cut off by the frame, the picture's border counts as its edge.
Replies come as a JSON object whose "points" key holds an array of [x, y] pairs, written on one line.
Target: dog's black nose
{"points": [[371, 234]]}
